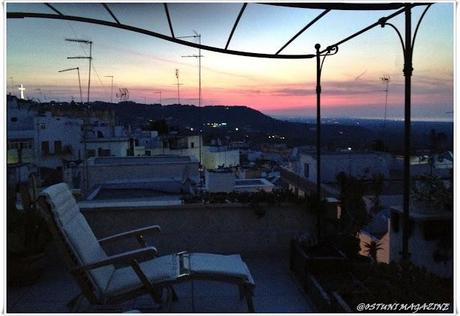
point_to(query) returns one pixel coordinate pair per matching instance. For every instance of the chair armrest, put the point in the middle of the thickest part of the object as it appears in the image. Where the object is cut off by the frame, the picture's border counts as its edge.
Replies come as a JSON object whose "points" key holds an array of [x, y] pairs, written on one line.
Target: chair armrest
{"points": [[125, 257], [135, 232]]}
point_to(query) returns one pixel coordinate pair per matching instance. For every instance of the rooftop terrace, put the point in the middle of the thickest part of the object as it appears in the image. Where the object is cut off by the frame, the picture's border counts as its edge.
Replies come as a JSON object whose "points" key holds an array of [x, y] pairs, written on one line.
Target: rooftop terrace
{"points": [[263, 242], [276, 291]]}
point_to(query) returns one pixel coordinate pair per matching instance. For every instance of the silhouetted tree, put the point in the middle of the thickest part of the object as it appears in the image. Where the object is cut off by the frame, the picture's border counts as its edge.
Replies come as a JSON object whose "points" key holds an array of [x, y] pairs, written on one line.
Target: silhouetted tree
{"points": [[438, 142], [354, 214], [377, 189]]}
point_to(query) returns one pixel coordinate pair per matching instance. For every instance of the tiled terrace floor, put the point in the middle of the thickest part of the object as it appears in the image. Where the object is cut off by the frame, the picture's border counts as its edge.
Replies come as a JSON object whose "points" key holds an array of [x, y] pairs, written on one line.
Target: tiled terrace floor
{"points": [[276, 291]]}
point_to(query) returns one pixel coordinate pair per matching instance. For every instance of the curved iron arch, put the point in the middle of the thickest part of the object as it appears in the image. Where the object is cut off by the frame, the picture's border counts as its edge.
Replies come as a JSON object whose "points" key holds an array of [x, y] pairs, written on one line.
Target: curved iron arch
{"points": [[20, 15]]}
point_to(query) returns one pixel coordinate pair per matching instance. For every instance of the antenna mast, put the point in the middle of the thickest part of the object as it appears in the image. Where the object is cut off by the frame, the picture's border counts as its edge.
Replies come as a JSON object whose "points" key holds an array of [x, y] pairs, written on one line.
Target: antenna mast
{"points": [[178, 84], [386, 80]]}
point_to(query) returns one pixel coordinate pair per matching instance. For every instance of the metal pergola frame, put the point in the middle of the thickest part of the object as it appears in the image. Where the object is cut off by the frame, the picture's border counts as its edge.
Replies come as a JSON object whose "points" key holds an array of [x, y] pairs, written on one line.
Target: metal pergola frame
{"points": [[407, 44]]}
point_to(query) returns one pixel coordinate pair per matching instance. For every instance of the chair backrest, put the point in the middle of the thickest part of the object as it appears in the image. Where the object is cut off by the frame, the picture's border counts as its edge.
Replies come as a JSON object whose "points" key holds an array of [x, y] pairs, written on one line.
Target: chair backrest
{"points": [[76, 233]]}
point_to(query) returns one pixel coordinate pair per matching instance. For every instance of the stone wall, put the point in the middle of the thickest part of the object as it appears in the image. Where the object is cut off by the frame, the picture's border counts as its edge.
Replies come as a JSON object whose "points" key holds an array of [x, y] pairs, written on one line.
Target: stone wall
{"points": [[219, 228]]}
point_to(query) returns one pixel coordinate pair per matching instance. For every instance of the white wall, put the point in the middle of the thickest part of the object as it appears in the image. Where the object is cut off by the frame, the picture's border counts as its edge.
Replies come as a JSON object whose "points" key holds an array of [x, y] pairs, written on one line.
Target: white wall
{"points": [[118, 148], [20, 126], [421, 250], [219, 181], [247, 186], [358, 165], [140, 168], [193, 140], [383, 255], [214, 159], [51, 129]]}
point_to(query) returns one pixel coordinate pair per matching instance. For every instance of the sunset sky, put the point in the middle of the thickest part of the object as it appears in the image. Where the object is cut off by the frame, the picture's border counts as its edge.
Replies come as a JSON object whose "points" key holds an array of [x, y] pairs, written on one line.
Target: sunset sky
{"points": [[36, 50]]}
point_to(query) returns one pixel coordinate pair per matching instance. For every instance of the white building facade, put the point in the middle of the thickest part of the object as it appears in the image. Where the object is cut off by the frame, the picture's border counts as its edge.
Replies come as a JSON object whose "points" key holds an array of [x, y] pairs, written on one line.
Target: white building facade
{"points": [[214, 157], [21, 131], [57, 138], [360, 165], [430, 238]]}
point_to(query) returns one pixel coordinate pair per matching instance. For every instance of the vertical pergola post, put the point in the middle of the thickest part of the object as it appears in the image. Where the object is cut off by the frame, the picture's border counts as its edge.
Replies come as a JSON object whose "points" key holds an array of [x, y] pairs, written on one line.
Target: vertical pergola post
{"points": [[407, 45], [407, 130], [318, 135], [329, 51]]}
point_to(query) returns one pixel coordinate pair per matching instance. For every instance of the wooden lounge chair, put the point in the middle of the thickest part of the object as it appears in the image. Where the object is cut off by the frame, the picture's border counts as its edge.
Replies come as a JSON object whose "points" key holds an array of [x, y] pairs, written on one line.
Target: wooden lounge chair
{"points": [[113, 279]]}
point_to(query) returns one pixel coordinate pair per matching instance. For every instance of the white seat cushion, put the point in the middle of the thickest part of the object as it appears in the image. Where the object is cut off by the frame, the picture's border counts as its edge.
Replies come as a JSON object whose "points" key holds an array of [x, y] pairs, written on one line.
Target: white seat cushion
{"points": [[74, 226], [165, 268], [160, 269], [228, 265], [62, 202], [88, 249]]}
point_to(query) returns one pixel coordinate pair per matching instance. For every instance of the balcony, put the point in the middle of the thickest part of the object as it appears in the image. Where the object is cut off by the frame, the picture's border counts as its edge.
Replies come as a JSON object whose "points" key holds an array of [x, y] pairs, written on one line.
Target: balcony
{"points": [[262, 240]]}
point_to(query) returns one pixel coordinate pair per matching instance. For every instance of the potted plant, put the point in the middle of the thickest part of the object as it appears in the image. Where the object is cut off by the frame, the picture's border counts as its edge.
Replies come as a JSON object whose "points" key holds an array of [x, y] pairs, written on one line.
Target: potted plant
{"points": [[27, 238], [430, 192]]}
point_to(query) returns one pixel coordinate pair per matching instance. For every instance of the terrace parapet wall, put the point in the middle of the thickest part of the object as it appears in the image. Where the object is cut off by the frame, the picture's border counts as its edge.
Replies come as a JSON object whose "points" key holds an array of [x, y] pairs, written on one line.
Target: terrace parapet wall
{"points": [[220, 228]]}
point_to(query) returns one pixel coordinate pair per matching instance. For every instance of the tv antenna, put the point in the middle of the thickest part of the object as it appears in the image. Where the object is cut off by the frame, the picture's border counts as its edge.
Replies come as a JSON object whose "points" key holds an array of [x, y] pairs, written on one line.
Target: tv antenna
{"points": [[123, 94], [386, 80], [90, 58], [198, 36], [178, 84], [159, 92], [79, 81], [111, 87]]}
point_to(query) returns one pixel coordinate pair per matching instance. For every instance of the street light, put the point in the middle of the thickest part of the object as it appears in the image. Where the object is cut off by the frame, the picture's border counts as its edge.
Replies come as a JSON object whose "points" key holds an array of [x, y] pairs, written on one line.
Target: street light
{"points": [[111, 89], [90, 43], [79, 81]]}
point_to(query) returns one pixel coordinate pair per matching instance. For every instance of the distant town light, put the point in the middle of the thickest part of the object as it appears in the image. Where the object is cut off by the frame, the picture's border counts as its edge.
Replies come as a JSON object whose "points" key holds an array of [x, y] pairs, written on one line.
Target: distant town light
{"points": [[236, 128], [349, 148]]}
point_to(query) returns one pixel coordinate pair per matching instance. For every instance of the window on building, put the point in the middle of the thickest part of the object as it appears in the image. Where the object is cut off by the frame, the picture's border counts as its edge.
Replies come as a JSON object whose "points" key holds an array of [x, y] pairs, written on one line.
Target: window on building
{"points": [[100, 134], [91, 153], [103, 152], [14, 119], [148, 153], [192, 145], [306, 170], [12, 145], [45, 148], [57, 147]]}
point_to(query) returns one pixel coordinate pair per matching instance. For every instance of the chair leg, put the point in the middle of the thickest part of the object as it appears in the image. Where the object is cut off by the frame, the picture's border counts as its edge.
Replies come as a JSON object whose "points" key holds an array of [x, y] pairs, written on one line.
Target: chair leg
{"points": [[241, 291], [146, 282], [249, 302], [175, 298]]}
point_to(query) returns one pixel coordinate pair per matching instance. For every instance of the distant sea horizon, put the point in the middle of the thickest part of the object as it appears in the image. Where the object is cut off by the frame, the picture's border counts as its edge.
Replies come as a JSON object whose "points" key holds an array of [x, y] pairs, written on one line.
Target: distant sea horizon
{"points": [[312, 119]]}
